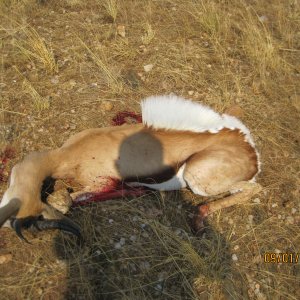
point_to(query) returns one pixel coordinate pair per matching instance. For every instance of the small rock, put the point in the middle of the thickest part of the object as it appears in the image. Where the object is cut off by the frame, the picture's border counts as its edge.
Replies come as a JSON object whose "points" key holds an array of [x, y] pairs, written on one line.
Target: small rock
{"points": [[121, 30], [5, 258], [274, 205], [236, 247], [294, 210], [107, 105], [290, 220], [73, 111], [72, 82], [110, 221], [141, 75], [145, 234], [159, 287], [118, 245], [191, 93], [143, 48], [234, 257], [133, 238], [256, 200], [55, 80], [148, 68], [230, 221], [40, 291], [250, 218], [122, 241], [277, 251], [135, 218]]}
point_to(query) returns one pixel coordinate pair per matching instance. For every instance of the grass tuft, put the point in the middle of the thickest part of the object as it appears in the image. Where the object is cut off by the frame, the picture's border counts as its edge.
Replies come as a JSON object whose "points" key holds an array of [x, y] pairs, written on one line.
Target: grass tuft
{"points": [[111, 7], [39, 103], [34, 47], [112, 80]]}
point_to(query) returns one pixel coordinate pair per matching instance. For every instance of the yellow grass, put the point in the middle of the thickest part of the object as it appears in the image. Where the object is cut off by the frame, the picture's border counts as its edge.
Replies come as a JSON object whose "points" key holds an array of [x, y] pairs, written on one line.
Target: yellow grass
{"points": [[34, 47], [112, 80], [220, 53], [39, 103], [111, 7]]}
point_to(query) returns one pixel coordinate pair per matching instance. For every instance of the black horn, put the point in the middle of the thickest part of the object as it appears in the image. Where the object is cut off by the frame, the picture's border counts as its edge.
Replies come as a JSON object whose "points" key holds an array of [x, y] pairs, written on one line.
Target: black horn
{"points": [[62, 224]]}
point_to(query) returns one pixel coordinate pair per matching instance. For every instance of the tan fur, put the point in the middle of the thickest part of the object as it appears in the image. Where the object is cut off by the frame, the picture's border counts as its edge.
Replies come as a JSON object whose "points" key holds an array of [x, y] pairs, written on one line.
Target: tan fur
{"points": [[214, 162]]}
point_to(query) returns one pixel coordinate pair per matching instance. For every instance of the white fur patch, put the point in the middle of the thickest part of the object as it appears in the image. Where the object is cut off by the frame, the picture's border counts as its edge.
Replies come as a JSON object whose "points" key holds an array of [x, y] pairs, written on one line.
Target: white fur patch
{"points": [[171, 112], [176, 113], [175, 183]]}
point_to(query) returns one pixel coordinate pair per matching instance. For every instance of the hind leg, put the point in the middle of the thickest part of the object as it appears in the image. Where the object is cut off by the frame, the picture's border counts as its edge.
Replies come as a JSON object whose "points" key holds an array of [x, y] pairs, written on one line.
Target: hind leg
{"points": [[212, 173]]}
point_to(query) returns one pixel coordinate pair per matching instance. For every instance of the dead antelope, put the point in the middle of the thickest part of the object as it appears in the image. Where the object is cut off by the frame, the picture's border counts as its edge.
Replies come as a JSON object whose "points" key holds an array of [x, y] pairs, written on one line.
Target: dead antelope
{"points": [[179, 144]]}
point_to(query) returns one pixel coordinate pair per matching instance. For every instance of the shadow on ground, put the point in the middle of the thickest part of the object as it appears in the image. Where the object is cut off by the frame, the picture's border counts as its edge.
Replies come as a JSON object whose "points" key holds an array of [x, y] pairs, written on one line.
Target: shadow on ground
{"points": [[144, 249]]}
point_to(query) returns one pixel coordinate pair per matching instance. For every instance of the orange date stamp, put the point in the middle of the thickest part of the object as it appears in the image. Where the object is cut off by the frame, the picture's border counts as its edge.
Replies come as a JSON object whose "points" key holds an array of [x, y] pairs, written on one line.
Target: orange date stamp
{"points": [[272, 257]]}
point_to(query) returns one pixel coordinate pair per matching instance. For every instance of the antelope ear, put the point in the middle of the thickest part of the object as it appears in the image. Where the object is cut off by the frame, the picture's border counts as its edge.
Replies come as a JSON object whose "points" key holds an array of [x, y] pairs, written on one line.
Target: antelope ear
{"points": [[8, 210]]}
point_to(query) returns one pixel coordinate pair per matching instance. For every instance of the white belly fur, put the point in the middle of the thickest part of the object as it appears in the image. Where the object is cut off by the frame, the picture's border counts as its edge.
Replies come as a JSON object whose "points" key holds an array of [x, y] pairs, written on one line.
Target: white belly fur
{"points": [[175, 183]]}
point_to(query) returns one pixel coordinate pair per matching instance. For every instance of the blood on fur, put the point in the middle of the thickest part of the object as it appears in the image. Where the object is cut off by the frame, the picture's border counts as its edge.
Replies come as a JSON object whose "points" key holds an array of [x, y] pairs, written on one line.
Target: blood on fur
{"points": [[7, 154], [113, 188], [121, 117]]}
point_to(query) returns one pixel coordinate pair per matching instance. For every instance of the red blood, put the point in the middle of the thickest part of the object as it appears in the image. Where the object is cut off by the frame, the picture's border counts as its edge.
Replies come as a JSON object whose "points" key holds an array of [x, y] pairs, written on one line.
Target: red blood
{"points": [[88, 198], [120, 118], [203, 210], [199, 217], [7, 154]]}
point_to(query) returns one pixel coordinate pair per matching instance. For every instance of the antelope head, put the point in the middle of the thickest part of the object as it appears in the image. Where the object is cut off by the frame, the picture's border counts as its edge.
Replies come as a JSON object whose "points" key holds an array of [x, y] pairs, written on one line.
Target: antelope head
{"points": [[21, 205]]}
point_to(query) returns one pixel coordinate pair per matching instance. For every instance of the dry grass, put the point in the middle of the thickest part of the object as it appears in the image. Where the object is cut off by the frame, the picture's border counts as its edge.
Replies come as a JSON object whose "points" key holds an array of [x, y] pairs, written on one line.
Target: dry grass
{"points": [[34, 47], [111, 7], [39, 102], [217, 52], [112, 80]]}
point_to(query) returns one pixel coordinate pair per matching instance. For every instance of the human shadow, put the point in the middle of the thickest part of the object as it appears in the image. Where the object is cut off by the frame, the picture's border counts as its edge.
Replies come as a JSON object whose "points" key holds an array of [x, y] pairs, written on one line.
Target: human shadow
{"points": [[143, 248]]}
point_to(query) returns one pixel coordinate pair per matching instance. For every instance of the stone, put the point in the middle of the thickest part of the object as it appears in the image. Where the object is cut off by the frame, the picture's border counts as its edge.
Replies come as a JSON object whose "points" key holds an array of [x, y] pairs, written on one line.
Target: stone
{"points": [[234, 257], [107, 106], [5, 258], [148, 68], [121, 30]]}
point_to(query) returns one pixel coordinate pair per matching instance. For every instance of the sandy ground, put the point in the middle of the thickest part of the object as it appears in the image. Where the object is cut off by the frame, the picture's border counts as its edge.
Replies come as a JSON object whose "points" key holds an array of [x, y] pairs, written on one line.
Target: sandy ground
{"points": [[70, 65]]}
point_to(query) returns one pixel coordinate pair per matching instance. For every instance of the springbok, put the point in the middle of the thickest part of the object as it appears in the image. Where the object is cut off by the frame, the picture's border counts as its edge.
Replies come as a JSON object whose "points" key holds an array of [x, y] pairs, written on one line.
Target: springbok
{"points": [[179, 144]]}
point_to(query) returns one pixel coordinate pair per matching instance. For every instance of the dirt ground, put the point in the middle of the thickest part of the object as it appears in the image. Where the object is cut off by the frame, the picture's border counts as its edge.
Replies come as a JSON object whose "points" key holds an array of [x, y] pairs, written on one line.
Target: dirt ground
{"points": [[70, 65]]}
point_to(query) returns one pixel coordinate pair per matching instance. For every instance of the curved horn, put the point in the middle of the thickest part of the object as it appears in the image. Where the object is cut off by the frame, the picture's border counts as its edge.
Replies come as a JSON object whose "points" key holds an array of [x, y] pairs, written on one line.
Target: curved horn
{"points": [[40, 223], [62, 224], [18, 224], [9, 209]]}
